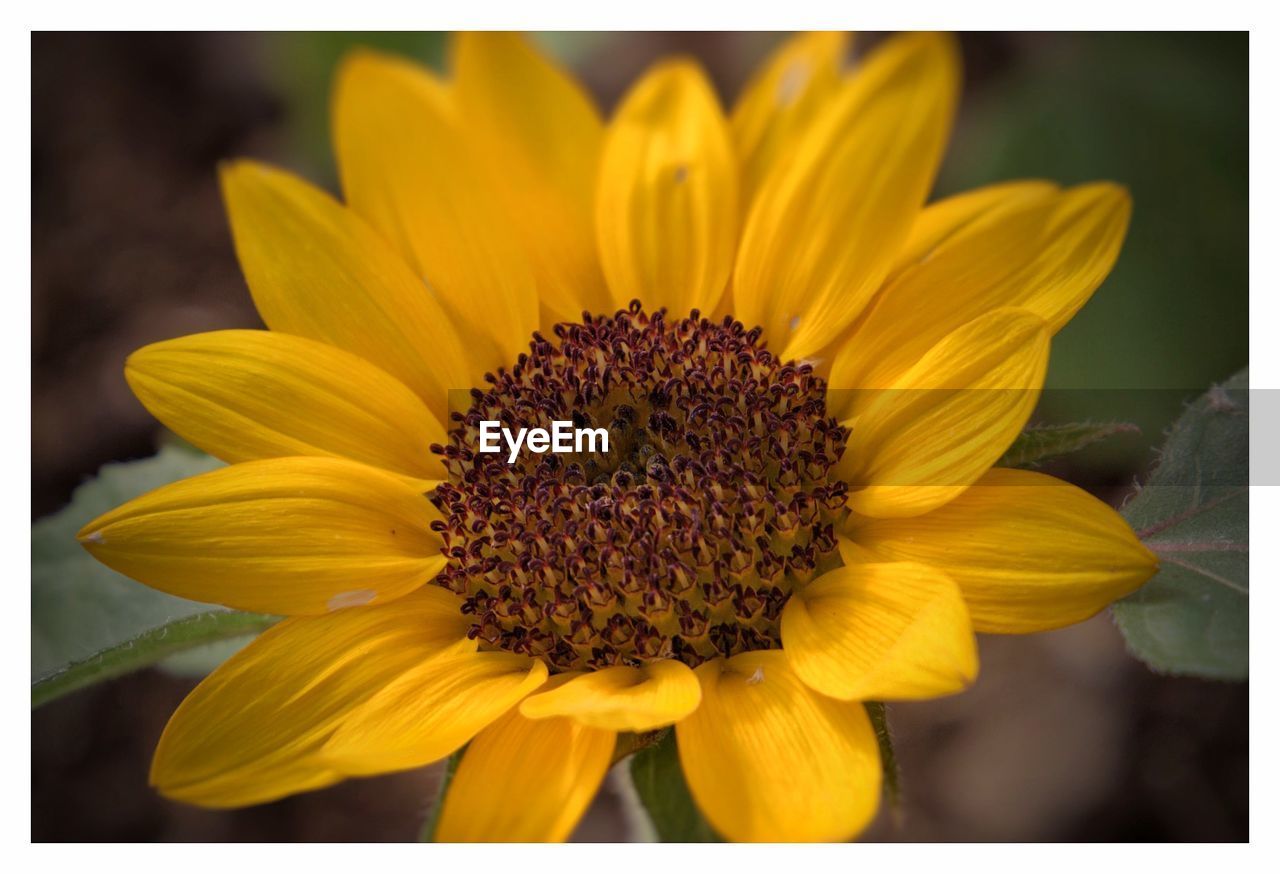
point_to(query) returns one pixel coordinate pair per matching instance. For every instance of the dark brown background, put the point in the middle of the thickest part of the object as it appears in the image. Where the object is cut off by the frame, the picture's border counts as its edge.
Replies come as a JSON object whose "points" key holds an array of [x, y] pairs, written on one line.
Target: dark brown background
{"points": [[1064, 738]]}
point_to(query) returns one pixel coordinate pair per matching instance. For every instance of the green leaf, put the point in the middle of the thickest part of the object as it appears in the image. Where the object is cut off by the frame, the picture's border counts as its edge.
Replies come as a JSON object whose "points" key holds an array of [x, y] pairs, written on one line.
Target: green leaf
{"points": [[1039, 443], [659, 782], [89, 623], [149, 647], [199, 662], [1193, 513]]}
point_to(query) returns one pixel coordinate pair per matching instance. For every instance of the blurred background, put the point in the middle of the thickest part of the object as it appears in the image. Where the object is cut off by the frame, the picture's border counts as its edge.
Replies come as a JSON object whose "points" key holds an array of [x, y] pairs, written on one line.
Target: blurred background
{"points": [[1065, 737]]}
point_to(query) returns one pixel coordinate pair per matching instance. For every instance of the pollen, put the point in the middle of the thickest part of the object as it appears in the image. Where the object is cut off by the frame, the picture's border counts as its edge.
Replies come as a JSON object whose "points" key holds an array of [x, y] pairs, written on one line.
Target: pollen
{"points": [[686, 538]]}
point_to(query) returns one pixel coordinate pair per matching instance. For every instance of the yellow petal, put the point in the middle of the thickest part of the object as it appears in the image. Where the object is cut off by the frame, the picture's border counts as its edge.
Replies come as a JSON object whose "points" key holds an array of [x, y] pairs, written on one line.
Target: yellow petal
{"points": [[896, 630], [410, 167], [768, 759], [667, 194], [947, 419], [543, 133], [850, 552], [1028, 551], [244, 395], [431, 710], [251, 731], [525, 780], [284, 535], [941, 219], [1046, 254], [316, 270], [622, 698], [824, 230], [780, 102]]}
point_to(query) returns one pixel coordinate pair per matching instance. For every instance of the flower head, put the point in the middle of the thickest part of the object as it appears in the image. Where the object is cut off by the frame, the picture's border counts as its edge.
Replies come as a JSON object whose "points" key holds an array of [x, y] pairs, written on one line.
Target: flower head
{"points": [[807, 376], [685, 540]]}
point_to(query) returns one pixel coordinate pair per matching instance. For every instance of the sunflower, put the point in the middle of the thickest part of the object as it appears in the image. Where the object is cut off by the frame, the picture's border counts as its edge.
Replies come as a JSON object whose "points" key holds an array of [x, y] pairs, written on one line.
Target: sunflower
{"points": [[807, 374]]}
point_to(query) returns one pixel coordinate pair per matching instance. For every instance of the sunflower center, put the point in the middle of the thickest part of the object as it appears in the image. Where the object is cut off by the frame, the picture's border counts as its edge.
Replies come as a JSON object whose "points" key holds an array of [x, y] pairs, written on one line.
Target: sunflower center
{"points": [[686, 538]]}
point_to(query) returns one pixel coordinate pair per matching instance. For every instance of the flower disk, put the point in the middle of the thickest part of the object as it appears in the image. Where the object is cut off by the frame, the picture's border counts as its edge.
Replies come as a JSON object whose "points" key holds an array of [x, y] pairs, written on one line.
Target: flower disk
{"points": [[686, 538]]}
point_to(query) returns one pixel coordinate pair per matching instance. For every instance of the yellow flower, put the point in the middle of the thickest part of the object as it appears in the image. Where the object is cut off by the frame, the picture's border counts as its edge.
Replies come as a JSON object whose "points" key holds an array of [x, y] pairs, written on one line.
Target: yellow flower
{"points": [[771, 540]]}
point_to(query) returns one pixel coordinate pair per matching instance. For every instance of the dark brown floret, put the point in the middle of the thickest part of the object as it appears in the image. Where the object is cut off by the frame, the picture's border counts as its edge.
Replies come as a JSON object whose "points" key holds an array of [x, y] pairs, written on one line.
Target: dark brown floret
{"points": [[686, 538]]}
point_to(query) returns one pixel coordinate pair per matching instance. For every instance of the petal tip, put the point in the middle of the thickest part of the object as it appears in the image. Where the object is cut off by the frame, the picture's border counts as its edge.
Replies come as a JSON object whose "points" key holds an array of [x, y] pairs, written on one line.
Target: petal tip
{"points": [[91, 535], [241, 170]]}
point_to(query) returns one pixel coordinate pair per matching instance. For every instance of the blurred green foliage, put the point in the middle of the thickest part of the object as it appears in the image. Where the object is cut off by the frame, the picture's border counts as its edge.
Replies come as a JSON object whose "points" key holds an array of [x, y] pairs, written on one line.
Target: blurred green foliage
{"points": [[301, 66], [1165, 114]]}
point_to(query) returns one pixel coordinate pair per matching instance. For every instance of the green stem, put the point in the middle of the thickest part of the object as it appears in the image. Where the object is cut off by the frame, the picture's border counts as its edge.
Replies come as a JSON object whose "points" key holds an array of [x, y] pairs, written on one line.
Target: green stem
{"points": [[888, 758], [428, 832]]}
